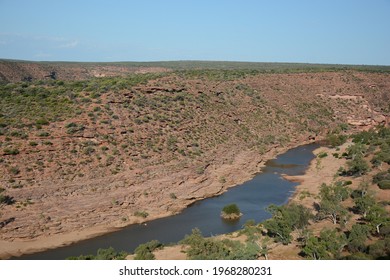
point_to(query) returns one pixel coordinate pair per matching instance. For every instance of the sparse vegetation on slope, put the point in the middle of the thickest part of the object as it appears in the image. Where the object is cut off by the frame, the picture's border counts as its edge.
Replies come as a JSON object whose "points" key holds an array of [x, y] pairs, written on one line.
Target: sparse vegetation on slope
{"points": [[121, 146]]}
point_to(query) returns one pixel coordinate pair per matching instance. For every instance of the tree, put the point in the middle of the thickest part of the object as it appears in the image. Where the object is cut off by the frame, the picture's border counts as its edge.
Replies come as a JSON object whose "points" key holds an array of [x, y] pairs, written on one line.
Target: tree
{"points": [[231, 211], [330, 204], [145, 251], [333, 210], [327, 246], [285, 219], [356, 150], [103, 254], [357, 238], [337, 191], [377, 217], [363, 204], [264, 247], [358, 166], [314, 249], [279, 229], [110, 254], [298, 215], [200, 248], [380, 249]]}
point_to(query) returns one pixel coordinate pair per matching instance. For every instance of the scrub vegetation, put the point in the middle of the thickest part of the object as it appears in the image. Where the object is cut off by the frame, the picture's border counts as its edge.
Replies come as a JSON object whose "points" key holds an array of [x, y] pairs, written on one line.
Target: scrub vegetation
{"points": [[116, 144]]}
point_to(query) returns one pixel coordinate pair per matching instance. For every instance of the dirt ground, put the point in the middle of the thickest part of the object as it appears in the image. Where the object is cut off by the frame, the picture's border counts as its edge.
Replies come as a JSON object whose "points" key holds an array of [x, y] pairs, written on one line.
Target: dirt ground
{"points": [[72, 187]]}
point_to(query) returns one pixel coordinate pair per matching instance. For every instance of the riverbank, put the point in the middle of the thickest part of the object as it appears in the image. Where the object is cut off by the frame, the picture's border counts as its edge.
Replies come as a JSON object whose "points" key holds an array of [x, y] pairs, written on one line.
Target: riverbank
{"points": [[321, 170], [243, 168]]}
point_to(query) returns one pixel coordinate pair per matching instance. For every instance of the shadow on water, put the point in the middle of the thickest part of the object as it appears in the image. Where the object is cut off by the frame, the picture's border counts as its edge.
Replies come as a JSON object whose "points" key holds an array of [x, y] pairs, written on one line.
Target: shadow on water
{"points": [[252, 197]]}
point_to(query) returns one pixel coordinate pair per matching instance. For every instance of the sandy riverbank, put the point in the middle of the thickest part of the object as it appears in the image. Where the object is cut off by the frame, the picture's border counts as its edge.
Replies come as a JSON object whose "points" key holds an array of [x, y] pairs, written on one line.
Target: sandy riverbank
{"points": [[320, 170]]}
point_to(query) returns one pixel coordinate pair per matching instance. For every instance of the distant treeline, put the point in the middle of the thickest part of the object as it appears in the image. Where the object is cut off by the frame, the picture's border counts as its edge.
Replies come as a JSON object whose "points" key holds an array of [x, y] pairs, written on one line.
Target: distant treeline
{"points": [[267, 67]]}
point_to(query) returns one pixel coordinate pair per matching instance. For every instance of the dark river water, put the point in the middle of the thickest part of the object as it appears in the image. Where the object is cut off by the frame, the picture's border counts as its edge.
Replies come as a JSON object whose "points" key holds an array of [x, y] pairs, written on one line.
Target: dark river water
{"points": [[252, 197]]}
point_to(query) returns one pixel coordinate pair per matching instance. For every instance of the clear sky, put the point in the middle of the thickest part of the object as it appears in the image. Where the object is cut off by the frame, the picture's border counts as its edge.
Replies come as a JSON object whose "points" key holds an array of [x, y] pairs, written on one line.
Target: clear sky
{"points": [[309, 31]]}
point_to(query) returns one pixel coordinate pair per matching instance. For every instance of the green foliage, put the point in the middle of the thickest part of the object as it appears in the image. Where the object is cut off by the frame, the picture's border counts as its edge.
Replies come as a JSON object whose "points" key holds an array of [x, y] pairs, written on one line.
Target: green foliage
{"points": [[384, 184], [356, 150], [6, 199], [322, 155], [145, 251], [364, 203], [380, 249], [330, 204], [364, 137], [231, 209], [142, 214], [10, 151], [251, 230], [285, 219], [384, 175], [73, 128], [200, 248], [377, 217], [335, 140], [337, 191], [357, 238], [41, 121], [328, 245], [34, 103], [103, 254], [172, 143], [382, 156], [357, 166]]}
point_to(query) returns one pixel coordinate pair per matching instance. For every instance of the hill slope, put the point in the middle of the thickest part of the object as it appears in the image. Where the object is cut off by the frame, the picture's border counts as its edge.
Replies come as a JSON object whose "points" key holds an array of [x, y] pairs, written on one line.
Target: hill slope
{"points": [[81, 157]]}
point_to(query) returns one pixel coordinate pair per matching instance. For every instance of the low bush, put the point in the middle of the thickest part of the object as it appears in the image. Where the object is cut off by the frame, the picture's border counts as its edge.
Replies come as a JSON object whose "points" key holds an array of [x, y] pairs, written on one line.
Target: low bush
{"points": [[384, 175], [384, 184], [335, 140], [231, 211], [322, 155], [145, 251], [10, 151], [141, 214], [200, 248], [103, 254]]}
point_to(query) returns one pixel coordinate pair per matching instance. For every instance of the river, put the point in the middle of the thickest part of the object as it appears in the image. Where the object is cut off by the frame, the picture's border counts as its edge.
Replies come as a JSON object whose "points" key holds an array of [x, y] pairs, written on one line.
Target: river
{"points": [[252, 197]]}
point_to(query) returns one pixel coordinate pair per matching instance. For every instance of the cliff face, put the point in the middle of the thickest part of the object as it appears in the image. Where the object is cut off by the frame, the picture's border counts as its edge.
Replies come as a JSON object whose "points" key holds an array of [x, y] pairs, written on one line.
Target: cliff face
{"points": [[80, 152]]}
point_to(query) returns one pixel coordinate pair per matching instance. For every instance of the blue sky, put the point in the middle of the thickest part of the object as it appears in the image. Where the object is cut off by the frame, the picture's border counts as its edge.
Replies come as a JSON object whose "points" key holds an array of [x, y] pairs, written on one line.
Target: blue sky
{"points": [[309, 31]]}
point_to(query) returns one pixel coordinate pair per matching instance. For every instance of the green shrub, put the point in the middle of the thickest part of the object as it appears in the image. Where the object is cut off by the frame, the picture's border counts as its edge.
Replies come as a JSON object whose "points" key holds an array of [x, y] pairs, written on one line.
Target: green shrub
{"points": [[322, 155], [33, 143], [380, 249], [231, 209], [335, 140], [384, 175], [73, 128], [141, 214], [41, 122], [145, 251], [357, 166], [6, 199], [14, 170], [10, 151], [43, 134], [364, 137], [285, 219], [201, 248], [384, 184], [103, 254]]}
